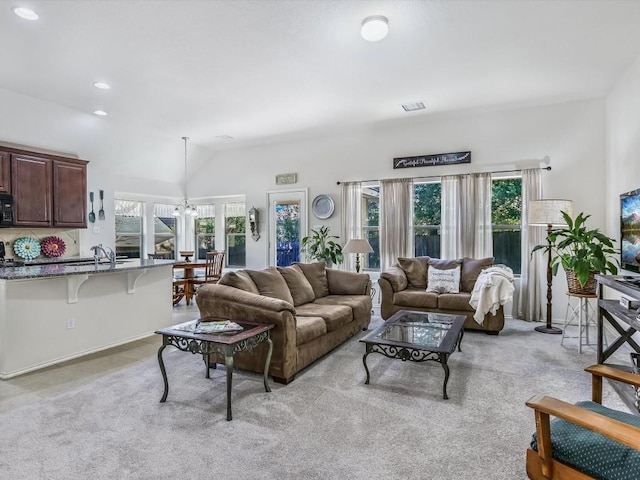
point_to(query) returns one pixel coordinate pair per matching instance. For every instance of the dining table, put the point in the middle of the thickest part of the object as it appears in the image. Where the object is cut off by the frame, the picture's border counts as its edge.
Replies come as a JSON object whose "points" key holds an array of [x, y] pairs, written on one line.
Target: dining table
{"points": [[188, 290]]}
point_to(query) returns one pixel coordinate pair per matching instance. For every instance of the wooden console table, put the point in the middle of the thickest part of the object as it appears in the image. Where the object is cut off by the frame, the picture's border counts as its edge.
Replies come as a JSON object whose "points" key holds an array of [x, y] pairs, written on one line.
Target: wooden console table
{"points": [[623, 320]]}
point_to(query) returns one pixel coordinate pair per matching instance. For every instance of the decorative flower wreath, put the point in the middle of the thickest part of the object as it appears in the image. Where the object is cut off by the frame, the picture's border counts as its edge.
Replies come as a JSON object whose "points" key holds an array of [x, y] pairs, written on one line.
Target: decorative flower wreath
{"points": [[53, 246], [27, 248]]}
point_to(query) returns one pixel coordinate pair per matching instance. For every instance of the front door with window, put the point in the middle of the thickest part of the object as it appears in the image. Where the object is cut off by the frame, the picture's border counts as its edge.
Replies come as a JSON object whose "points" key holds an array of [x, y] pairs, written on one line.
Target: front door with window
{"points": [[287, 222]]}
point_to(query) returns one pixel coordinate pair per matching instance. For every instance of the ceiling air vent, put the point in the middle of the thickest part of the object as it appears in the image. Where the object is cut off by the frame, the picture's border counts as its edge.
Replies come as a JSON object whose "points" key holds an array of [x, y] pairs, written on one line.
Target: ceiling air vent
{"points": [[411, 107]]}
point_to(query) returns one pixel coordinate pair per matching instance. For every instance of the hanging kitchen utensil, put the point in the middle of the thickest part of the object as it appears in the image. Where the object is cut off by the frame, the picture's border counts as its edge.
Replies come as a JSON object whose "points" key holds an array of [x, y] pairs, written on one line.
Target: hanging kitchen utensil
{"points": [[92, 216], [101, 211]]}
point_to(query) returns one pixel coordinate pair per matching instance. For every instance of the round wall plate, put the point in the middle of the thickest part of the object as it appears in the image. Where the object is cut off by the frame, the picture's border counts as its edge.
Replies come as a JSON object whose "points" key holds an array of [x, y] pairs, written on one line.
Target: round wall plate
{"points": [[322, 206]]}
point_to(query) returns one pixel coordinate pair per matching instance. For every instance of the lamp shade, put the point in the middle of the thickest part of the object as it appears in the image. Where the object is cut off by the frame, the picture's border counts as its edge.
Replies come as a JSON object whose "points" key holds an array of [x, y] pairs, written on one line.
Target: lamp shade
{"points": [[357, 245], [548, 212]]}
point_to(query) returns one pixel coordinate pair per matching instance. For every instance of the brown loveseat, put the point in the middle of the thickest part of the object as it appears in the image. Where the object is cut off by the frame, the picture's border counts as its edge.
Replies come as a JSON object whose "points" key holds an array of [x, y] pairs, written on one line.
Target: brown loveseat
{"points": [[314, 309], [403, 287]]}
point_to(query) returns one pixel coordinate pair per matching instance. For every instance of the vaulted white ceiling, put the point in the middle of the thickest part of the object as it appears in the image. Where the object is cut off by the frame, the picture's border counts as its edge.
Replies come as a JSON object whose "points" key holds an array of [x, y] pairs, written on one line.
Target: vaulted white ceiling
{"points": [[259, 70]]}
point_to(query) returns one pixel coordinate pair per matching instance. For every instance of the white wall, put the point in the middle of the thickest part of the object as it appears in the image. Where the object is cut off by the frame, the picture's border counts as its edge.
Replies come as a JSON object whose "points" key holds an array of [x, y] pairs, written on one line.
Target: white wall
{"points": [[623, 143], [122, 157], [571, 136]]}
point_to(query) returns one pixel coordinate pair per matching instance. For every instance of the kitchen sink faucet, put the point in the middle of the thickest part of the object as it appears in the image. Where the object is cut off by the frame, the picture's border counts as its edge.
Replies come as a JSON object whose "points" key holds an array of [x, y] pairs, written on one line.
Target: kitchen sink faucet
{"points": [[110, 254]]}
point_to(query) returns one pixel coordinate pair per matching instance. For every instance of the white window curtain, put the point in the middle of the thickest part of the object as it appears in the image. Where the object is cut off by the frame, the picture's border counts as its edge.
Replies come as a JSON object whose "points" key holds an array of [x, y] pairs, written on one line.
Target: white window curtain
{"points": [[351, 218], [466, 216], [480, 200], [533, 270], [396, 220], [450, 219]]}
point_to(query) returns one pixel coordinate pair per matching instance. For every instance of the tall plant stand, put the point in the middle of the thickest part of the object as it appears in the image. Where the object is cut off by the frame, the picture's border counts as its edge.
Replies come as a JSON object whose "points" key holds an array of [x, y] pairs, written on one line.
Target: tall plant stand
{"points": [[580, 313]]}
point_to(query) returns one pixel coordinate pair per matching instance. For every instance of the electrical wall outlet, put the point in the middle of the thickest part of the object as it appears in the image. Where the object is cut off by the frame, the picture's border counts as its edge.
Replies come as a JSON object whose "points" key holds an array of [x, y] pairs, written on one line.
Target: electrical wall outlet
{"points": [[71, 323], [96, 229]]}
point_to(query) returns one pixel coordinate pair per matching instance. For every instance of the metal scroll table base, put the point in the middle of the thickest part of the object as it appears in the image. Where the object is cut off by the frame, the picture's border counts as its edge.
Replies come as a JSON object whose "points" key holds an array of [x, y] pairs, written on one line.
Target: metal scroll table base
{"points": [[413, 355], [207, 348]]}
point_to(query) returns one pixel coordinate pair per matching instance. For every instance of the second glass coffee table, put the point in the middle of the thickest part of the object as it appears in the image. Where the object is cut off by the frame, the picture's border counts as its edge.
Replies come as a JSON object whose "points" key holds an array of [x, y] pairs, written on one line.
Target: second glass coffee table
{"points": [[417, 337]]}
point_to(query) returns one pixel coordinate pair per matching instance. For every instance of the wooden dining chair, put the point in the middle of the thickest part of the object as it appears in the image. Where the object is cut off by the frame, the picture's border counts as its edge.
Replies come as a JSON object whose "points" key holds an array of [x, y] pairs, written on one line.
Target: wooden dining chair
{"points": [[212, 270], [585, 440]]}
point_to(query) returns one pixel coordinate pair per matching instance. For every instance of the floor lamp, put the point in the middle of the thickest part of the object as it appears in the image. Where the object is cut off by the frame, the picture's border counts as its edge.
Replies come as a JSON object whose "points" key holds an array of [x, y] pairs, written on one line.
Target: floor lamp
{"points": [[357, 246], [548, 213]]}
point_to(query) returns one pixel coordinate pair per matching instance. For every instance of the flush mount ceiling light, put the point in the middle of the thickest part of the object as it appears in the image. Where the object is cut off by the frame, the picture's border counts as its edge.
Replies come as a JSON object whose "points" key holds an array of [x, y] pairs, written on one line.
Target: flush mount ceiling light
{"points": [[374, 28], [25, 13], [100, 113], [411, 107], [102, 85]]}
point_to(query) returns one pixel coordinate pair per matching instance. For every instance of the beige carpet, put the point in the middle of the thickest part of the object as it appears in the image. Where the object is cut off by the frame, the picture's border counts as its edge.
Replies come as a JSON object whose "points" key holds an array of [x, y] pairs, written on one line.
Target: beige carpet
{"points": [[324, 425]]}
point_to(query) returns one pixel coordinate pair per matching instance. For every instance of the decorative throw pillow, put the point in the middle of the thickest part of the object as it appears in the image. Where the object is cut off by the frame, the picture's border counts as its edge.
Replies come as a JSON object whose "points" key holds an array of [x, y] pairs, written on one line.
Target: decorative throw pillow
{"points": [[443, 281], [441, 264], [271, 284], [416, 271], [239, 279], [317, 275], [300, 288], [471, 268]]}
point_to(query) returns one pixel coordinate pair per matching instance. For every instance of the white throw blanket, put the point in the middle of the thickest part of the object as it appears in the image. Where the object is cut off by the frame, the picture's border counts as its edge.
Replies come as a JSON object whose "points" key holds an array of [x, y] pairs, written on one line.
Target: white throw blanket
{"points": [[493, 288]]}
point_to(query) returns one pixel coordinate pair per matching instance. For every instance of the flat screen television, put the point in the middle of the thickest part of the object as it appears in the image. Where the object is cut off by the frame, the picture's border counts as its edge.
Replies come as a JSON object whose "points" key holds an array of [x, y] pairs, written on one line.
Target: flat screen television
{"points": [[630, 231]]}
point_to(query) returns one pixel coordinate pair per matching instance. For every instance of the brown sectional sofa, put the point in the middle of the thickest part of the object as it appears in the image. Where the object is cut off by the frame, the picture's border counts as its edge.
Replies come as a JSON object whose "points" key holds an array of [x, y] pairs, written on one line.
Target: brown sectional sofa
{"points": [[314, 309], [403, 287]]}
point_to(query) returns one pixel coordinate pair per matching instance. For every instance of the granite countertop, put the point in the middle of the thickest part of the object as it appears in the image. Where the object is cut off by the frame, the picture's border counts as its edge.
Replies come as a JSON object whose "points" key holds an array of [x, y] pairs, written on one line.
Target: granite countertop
{"points": [[77, 266]]}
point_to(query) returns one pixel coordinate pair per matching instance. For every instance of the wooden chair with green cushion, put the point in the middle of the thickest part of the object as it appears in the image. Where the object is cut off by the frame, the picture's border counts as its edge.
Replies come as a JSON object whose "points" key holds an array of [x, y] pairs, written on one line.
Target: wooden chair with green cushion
{"points": [[585, 440]]}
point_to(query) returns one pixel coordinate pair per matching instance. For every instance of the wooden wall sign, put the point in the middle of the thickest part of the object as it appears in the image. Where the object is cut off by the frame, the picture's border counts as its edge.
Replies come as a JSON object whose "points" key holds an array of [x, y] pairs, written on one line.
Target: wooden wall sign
{"points": [[431, 160], [286, 178]]}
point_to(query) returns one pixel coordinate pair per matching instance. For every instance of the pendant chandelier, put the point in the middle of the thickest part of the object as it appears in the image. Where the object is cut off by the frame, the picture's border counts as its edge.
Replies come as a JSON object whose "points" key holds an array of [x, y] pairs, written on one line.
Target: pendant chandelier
{"points": [[187, 207]]}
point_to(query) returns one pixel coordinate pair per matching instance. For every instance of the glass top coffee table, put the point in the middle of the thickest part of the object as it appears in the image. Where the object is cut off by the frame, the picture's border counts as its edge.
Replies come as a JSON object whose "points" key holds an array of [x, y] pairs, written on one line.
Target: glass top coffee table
{"points": [[417, 337]]}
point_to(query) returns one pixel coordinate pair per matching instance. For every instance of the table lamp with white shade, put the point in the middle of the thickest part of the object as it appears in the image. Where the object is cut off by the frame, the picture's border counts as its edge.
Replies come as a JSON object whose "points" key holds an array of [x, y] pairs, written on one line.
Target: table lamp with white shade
{"points": [[548, 213], [357, 246]]}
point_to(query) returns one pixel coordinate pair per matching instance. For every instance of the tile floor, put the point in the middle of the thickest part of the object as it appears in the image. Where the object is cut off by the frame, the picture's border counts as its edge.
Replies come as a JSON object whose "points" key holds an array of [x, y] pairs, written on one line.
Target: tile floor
{"points": [[56, 379]]}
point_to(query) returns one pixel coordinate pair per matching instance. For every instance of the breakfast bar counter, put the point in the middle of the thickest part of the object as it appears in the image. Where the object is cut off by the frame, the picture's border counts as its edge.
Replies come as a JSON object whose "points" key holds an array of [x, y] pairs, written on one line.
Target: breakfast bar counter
{"points": [[53, 312]]}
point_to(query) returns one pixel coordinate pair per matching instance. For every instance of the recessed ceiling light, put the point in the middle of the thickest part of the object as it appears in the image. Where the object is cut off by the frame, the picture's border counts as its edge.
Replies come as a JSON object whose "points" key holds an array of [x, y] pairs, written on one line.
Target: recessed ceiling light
{"points": [[102, 85], [374, 28], [26, 13], [410, 107], [100, 113]]}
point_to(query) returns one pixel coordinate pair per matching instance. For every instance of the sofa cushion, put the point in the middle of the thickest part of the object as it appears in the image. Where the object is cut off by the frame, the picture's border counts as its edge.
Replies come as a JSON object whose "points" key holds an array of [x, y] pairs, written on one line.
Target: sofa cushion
{"points": [[309, 328], [396, 277], [455, 301], [271, 284], [414, 297], [335, 316], [443, 281], [415, 270], [471, 269], [239, 279], [316, 273], [347, 283], [300, 288], [360, 304]]}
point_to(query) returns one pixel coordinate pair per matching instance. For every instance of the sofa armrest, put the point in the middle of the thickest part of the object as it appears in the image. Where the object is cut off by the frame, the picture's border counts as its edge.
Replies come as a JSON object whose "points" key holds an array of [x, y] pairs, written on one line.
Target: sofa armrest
{"points": [[348, 283], [229, 303], [396, 277]]}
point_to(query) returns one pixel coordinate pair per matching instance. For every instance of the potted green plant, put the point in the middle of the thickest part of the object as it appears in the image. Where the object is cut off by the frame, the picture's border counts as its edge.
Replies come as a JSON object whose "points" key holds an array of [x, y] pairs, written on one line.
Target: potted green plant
{"points": [[320, 246], [582, 252]]}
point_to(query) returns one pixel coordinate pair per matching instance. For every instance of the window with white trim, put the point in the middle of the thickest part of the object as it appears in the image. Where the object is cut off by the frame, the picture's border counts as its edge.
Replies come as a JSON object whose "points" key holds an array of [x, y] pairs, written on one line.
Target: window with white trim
{"points": [[128, 219]]}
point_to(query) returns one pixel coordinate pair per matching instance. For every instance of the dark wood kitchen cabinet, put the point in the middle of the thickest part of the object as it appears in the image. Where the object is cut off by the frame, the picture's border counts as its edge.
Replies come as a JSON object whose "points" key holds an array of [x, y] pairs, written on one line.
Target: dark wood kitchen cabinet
{"points": [[48, 191], [5, 173], [69, 194]]}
